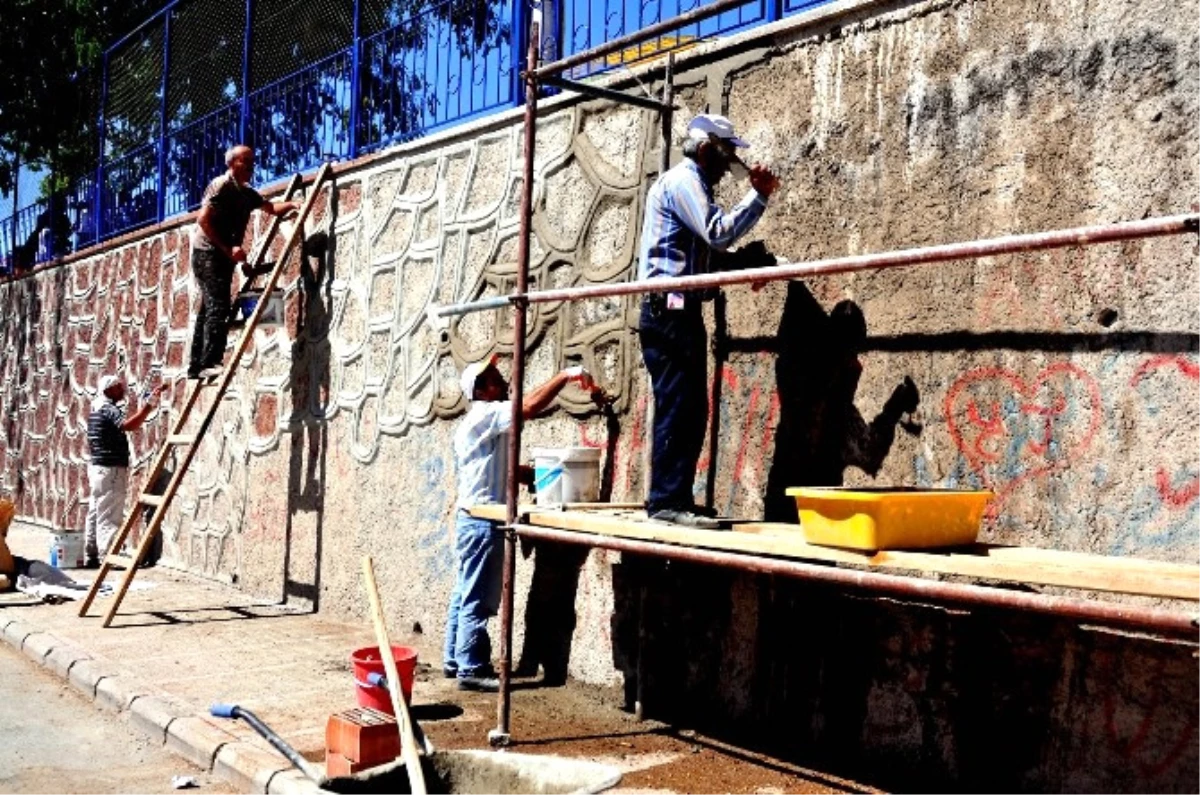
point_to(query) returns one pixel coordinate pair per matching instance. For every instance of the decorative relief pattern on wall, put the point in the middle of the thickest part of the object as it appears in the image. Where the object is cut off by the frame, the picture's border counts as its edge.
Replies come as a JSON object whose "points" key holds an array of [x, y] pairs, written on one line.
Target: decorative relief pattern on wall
{"points": [[405, 234]]}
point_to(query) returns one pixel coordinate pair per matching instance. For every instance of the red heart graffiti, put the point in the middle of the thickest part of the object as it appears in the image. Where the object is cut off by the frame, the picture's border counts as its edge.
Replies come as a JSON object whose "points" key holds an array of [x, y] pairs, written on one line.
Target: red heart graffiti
{"points": [[1011, 430], [1174, 496]]}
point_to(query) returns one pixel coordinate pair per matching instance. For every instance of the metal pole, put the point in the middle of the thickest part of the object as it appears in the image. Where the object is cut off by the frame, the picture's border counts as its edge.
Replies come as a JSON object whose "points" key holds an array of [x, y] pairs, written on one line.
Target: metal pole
{"points": [[98, 197], [243, 124], [1012, 244], [16, 206], [501, 736], [650, 32], [664, 163], [1163, 622], [355, 87], [161, 208]]}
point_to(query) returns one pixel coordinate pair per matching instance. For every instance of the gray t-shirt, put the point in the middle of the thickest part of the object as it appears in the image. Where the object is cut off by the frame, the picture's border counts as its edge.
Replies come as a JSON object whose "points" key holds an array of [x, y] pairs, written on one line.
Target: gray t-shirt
{"points": [[232, 204]]}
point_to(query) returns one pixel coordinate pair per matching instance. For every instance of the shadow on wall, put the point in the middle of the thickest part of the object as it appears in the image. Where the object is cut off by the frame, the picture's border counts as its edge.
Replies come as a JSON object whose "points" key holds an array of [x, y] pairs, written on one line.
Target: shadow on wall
{"points": [[309, 438], [550, 605], [821, 432]]}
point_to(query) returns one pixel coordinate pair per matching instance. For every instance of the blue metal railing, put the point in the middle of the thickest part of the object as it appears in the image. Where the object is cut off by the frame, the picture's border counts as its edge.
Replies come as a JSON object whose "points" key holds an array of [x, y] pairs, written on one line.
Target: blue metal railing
{"points": [[584, 24], [447, 63], [194, 153], [303, 119], [426, 73]]}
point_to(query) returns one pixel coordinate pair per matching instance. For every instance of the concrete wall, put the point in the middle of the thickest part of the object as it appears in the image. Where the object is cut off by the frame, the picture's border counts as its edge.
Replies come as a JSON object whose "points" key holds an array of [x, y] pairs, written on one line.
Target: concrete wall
{"points": [[1068, 382]]}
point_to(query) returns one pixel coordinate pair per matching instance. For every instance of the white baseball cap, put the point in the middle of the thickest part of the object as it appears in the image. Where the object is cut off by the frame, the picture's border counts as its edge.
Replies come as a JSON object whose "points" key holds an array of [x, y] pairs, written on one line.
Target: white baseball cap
{"points": [[472, 372], [710, 124], [107, 382]]}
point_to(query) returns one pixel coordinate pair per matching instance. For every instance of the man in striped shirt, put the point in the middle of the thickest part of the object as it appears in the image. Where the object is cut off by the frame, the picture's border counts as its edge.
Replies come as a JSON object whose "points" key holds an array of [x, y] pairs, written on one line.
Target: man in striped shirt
{"points": [[108, 470], [481, 455], [681, 230]]}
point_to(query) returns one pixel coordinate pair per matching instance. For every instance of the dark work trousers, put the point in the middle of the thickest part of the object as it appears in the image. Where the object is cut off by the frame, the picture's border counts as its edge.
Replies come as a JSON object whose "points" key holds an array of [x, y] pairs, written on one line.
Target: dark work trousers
{"points": [[675, 349], [214, 274]]}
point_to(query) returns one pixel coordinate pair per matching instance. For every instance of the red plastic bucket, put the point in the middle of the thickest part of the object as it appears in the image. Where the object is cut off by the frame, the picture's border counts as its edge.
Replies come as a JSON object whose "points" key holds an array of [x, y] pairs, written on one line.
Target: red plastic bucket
{"points": [[367, 661]]}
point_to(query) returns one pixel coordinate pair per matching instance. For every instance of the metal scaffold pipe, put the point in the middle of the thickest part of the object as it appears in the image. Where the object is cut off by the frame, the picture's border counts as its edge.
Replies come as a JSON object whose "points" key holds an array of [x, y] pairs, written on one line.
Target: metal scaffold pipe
{"points": [[975, 249], [1126, 617]]}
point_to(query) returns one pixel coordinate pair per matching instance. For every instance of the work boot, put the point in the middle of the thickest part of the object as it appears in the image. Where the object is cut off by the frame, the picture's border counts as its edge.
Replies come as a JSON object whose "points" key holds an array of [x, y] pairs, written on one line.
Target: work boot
{"points": [[92, 563], [685, 519], [479, 684], [449, 671]]}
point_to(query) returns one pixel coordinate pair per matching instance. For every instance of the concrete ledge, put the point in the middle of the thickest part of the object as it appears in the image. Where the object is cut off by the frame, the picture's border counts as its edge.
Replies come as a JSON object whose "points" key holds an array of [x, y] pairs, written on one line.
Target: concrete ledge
{"points": [[63, 657], [38, 644], [15, 633], [86, 675], [247, 767], [118, 693], [153, 715], [292, 782], [197, 739]]}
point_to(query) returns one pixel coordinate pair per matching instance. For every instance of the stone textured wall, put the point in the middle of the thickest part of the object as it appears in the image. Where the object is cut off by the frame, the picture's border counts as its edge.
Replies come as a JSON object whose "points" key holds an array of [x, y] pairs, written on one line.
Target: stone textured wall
{"points": [[1067, 381]]}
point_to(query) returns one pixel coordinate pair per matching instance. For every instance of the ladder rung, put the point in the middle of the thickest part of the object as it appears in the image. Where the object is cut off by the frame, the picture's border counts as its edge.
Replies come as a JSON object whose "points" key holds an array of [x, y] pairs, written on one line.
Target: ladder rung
{"points": [[124, 561], [151, 499], [181, 439]]}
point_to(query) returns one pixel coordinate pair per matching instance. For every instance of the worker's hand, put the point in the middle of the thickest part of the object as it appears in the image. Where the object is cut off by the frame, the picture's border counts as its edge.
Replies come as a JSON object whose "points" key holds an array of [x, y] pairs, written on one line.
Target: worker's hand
{"points": [[247, 271], [289, 209], [237, 254], [762, 180], [905, 398]]}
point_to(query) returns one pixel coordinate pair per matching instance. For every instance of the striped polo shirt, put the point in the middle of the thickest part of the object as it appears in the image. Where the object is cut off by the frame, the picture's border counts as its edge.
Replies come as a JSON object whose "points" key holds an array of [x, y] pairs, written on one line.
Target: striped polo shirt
{"points": [[107, 443]]}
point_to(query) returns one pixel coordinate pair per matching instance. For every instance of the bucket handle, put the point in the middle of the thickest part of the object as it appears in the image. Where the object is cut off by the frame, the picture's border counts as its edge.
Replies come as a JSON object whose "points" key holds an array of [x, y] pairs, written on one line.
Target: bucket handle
{"points": [[549, 476]]}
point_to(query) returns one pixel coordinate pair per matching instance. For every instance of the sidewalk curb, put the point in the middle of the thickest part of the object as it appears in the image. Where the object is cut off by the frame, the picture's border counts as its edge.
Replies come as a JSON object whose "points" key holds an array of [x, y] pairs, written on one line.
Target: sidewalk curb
{"points": [[247, 767], [197, 739], [175, 724]]}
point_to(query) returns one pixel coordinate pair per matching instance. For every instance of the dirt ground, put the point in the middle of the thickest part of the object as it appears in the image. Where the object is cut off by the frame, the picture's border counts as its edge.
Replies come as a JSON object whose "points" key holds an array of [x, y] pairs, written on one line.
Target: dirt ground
{"points": [[584, 722]]}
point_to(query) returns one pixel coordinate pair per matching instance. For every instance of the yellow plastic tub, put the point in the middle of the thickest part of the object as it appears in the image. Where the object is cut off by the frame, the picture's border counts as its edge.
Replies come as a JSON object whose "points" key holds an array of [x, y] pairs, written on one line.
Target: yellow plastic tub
{"points": [[889, 518]]}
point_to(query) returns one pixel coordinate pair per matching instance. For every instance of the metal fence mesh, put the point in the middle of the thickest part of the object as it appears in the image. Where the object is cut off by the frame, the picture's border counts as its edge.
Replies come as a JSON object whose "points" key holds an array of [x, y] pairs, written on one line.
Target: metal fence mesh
{"points": [[292, 34], [306, 90], [133, 104], [205, 71]]}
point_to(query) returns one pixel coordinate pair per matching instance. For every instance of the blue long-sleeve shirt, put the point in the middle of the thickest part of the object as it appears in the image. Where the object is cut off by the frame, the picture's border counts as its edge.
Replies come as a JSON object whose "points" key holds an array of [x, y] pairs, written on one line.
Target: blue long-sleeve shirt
{"points": [[682, 223]]}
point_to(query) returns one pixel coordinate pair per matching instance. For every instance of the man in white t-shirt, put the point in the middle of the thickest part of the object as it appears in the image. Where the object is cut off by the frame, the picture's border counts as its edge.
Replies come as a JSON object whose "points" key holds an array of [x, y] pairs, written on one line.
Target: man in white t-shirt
{"points": [[481, 455]]}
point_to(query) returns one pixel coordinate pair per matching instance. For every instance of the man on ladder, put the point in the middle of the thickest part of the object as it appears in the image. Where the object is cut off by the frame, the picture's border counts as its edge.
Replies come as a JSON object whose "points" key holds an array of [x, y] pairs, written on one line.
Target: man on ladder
{"points": [[216, 247]]}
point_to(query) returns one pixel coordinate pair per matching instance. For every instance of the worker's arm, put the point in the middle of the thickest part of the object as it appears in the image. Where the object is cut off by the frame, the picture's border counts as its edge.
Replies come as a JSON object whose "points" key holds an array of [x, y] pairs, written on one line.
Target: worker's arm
{"points": [[280, 208], [542, 396], [137, 418], [717, 228]]}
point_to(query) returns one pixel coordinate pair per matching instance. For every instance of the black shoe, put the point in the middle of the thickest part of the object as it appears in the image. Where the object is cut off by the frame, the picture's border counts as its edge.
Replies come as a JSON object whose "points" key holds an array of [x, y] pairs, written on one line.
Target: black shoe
{"points": [[92, 563], [685, 519], [525, 671], [479, 684], [450, 671], [704, 510]]}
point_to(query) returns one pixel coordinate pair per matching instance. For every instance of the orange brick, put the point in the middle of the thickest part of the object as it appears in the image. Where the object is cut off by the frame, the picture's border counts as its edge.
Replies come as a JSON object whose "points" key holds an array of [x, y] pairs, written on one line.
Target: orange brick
{"points": [[363, 736], [338, 765]]}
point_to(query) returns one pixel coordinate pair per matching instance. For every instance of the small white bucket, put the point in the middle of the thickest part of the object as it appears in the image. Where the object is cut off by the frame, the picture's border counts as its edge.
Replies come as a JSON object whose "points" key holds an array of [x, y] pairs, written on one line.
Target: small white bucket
{"points": [[566, 474], [66, 550]]}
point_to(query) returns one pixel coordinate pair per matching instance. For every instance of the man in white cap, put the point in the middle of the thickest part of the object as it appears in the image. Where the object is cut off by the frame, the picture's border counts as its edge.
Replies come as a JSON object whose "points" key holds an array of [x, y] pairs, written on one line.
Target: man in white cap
{"points": [[481, 456], [108, 472], [681, 230]]}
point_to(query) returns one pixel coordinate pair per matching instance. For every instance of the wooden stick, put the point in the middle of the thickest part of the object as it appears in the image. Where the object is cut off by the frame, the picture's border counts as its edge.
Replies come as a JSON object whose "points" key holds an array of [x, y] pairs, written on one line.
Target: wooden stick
{"points": [[408, 743]]}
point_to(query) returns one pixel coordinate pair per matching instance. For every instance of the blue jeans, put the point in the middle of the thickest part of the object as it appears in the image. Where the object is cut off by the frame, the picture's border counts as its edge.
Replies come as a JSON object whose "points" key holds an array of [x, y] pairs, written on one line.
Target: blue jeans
{"points": [[479, 568]]}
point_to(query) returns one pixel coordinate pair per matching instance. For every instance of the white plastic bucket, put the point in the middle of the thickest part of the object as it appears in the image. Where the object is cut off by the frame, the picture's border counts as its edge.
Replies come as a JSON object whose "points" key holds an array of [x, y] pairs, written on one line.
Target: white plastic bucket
{"points": [[66, 550], [566, 474]]}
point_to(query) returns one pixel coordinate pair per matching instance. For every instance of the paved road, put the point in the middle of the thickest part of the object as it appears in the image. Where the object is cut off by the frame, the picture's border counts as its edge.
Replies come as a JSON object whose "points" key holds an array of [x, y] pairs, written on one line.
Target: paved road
{"points": [[54, 740]]}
